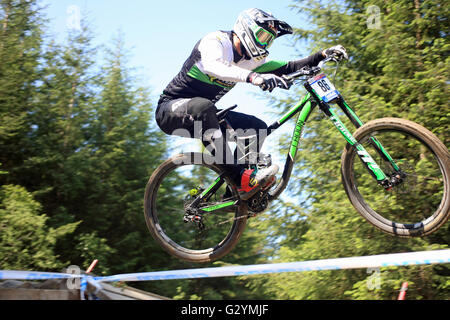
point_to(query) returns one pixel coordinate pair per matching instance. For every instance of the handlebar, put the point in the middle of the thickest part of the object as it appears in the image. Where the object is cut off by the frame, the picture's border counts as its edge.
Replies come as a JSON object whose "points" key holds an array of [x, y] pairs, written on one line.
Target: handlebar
{"points": [[308, 71]]}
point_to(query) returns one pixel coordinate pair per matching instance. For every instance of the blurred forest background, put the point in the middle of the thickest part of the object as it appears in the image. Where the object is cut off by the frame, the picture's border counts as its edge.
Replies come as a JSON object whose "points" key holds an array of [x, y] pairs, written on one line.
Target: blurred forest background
{"points": [[78, 142]]}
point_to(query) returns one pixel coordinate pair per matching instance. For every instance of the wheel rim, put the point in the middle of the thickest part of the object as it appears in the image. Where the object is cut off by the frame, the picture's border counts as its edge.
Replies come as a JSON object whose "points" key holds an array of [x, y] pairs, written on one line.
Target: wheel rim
{"points": [[412, 205], [171, 195]]}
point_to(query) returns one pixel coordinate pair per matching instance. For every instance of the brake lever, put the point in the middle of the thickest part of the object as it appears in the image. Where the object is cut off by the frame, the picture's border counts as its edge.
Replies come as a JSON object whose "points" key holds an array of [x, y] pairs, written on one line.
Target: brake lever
{"points": [[281, 85], [335, 71], [305, 71], [315, 70], [309, 71]]}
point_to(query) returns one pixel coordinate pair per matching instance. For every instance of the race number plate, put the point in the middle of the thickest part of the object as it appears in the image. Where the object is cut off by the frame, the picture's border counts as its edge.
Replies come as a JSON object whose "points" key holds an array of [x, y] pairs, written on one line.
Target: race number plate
{"points": [[324, 88]]}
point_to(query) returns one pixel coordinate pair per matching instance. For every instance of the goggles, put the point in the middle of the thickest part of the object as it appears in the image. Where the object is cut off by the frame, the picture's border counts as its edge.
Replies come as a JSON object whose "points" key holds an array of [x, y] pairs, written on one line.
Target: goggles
{"points": [[263, 37]]}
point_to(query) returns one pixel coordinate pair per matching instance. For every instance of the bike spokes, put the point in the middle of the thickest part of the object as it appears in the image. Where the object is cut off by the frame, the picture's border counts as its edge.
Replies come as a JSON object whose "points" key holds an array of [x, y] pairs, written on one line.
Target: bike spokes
{"points": [[416, 178], [191, 210]]}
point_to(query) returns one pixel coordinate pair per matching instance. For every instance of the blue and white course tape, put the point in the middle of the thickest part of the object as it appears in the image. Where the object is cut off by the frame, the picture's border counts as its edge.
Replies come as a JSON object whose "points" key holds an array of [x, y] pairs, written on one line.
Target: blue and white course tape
{"points": [[376, 261]]}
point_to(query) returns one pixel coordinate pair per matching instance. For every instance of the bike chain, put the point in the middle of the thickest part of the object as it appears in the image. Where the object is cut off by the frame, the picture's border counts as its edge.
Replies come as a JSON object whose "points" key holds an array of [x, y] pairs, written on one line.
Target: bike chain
{"points": [[248, 216]]}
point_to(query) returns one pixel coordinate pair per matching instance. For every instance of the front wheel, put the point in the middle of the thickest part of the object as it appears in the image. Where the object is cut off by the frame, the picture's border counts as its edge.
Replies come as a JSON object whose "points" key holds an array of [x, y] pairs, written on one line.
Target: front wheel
{"points": [[419, 203]]}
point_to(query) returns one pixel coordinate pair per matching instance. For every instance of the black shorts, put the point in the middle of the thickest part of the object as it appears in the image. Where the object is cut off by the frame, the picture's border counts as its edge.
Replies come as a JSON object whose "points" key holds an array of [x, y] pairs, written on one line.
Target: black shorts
{"points": [[173, 115]]}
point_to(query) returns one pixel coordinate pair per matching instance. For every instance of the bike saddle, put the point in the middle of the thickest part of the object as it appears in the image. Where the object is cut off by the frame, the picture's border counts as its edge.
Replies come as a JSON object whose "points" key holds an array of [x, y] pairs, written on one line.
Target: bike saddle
{"points": [[223, 113]]}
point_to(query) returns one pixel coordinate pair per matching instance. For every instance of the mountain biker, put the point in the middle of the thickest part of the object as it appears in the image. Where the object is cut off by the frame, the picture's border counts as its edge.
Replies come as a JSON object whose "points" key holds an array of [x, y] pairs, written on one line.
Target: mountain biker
{"points": [[219, 61]]}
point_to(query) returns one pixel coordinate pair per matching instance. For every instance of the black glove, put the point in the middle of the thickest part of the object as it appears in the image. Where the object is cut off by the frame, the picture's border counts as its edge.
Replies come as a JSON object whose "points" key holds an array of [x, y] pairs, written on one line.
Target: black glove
{"points": [[338, 50], [267, 81]]}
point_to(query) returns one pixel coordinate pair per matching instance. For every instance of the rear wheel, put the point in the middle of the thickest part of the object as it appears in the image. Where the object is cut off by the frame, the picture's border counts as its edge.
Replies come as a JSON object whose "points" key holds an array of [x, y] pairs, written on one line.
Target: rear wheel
{"points": [[197, 232], [419, 204]]}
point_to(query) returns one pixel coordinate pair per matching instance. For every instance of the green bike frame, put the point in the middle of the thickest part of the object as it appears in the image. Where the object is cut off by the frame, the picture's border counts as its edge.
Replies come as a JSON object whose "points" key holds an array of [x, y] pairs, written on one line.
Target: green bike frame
{"points": [[304, 109]]}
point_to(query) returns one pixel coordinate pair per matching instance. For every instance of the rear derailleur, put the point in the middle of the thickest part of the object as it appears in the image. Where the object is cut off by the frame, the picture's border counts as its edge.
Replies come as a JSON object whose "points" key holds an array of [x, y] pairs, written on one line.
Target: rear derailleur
{"points": [[191, 214]]}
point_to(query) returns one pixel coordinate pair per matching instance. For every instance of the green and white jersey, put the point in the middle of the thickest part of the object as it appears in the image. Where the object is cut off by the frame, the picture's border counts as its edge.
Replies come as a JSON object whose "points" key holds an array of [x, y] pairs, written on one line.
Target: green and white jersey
{"points": [[214, 67]]}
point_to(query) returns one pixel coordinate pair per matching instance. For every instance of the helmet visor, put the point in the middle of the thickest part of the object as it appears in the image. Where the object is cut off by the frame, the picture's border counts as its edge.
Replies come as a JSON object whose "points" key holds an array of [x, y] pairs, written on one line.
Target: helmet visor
{"points": [[263, 37]]}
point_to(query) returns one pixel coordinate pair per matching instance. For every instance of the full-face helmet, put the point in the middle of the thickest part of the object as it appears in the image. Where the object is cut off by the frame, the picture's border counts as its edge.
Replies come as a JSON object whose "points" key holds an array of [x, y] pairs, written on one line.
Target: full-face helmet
{"points": [[257, 30]]}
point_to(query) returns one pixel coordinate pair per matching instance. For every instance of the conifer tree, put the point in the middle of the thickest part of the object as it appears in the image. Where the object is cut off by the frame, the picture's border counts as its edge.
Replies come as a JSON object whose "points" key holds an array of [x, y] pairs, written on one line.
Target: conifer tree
{"points": [[398, 67], [63, 108], [20, 49], [26, 241]]}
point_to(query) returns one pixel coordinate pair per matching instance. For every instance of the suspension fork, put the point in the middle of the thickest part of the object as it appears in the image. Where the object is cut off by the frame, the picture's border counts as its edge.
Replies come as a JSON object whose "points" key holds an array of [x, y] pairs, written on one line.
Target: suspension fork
{"points": [[365, 157], [384, 180], [374, 141]]}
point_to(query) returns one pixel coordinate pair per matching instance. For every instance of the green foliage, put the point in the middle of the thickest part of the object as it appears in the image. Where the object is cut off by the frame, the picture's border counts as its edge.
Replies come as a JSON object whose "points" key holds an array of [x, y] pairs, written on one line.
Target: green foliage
{"points": [[26, 241], [78, 142], [91, 247], [424, 282], [390, 73], [20, 49], [78, 135]]}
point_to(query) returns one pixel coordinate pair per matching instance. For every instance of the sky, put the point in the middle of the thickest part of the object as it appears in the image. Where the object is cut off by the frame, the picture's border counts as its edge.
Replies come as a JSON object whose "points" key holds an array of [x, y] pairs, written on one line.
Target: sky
{"points": [[160, 35]]}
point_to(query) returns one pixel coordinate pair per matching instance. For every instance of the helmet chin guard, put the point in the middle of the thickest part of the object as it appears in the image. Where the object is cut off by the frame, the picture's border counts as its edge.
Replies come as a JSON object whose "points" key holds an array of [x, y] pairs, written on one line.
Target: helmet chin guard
{"points": [[257, 30]]}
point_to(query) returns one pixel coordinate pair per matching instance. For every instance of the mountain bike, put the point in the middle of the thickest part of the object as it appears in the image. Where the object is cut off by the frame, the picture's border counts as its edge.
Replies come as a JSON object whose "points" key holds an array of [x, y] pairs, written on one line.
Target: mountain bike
{"points": [[396, 174]]}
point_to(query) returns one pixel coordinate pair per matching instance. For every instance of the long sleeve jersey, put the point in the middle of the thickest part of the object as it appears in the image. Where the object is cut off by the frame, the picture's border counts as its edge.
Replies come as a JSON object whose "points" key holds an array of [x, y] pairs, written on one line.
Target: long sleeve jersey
{"points": [[214, 68]]}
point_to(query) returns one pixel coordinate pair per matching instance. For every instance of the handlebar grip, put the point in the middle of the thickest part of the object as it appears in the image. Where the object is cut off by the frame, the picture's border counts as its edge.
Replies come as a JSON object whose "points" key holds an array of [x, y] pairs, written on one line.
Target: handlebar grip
{"points": [[305, 71], [308, 71]]}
